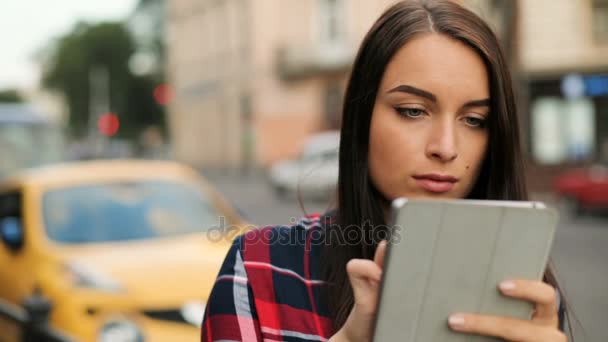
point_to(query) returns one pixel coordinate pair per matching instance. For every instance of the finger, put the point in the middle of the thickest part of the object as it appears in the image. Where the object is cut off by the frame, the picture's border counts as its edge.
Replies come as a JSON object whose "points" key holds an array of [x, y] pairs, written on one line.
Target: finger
{"points": [[363, 270], [542, 294], [364, 276], [380, 253], [509, 329]]}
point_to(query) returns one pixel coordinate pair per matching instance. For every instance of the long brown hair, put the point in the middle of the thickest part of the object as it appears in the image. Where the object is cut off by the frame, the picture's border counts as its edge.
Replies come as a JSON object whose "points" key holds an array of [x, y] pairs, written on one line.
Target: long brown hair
{"points": [[359, 203]]}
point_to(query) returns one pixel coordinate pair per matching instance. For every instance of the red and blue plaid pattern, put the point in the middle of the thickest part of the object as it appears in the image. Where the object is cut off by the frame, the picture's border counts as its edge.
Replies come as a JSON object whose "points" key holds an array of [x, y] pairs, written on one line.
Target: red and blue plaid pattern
{"points": [[269, 288]]}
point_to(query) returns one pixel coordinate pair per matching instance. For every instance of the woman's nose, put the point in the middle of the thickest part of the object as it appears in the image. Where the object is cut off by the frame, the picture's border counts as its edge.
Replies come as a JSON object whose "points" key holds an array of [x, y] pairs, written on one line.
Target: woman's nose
{"points": [[441, 144]]}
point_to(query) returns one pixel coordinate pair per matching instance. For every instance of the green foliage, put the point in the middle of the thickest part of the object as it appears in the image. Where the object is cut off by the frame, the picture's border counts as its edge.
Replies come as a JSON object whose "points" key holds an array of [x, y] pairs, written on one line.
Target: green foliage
{"points": [[110, 46], [10, 96]]}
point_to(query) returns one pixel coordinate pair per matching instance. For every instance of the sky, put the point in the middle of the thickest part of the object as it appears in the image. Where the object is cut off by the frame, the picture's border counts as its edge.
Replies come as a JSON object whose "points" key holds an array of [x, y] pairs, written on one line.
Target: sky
{"points": [[26, 26]]}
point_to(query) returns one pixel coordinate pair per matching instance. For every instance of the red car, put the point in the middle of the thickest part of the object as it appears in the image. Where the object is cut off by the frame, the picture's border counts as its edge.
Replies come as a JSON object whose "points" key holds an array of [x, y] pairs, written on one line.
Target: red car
{"points": [[587, 188]]}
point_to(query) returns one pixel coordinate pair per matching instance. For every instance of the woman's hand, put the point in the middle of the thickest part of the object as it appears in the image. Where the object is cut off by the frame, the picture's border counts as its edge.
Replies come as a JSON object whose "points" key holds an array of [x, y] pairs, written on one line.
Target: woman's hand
{"points": [[365, 276], [543, 327]]}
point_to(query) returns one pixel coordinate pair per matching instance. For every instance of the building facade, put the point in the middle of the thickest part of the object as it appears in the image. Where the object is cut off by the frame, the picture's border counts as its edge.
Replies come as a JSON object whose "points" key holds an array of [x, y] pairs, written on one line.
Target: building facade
{"points": [[253, 78]]}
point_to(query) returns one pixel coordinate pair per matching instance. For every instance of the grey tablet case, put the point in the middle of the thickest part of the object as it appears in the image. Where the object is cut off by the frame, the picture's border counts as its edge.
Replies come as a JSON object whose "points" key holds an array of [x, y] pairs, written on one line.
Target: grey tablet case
{"points": [[449, 256]]}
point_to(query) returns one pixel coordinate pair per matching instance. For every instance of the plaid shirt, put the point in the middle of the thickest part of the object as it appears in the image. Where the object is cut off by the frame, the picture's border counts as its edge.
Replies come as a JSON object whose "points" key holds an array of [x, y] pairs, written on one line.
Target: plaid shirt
{"points": [[268, 288]]}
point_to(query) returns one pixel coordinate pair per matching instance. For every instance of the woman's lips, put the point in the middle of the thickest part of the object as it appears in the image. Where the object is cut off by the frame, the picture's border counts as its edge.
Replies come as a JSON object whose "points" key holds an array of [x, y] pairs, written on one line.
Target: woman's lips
{"points": [[436, 184]]}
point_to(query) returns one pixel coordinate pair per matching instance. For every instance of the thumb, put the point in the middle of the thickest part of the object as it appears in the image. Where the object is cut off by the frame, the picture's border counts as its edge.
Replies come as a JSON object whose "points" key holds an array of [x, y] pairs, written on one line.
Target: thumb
{"points": [[380, 253]]}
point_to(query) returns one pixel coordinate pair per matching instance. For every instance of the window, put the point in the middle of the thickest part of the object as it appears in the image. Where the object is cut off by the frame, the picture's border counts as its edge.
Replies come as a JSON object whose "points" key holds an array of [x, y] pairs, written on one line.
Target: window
{"points": [[600, 21], [562, 130], [126, 211], [332, 20]]}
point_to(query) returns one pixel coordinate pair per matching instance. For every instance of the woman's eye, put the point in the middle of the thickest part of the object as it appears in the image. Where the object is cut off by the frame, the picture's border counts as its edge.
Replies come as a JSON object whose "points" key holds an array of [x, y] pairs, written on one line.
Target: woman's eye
{"points": [[475, 122], [411, 112]]}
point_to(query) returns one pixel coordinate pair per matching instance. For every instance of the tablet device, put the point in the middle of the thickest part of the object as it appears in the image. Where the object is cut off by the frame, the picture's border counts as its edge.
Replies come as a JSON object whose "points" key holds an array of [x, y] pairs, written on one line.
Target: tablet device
{"points": [[448, 256]]}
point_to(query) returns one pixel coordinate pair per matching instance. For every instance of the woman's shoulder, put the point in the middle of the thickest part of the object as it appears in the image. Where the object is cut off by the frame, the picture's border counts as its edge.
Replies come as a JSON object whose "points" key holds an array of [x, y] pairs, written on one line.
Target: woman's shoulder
{"points": [[295, 234], [284, 245]]}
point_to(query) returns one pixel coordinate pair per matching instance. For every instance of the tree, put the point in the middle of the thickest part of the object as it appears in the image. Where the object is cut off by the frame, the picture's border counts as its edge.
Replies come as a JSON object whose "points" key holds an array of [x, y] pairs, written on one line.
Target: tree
{"points": [[69, 66], [10, 96]]}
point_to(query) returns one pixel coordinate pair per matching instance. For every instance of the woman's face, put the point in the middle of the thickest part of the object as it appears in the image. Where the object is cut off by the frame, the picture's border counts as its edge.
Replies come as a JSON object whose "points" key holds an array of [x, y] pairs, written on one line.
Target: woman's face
{"points": [[428, 134]]}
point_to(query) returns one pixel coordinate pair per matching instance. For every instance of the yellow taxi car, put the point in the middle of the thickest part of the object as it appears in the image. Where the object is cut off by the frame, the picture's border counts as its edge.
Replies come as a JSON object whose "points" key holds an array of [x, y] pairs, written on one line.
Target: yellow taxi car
{"points": [[124, 250]]}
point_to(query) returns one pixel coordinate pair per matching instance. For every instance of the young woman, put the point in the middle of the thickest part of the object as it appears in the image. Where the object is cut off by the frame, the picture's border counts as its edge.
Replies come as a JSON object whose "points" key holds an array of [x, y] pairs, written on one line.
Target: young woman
{"points": [[429, 112]]}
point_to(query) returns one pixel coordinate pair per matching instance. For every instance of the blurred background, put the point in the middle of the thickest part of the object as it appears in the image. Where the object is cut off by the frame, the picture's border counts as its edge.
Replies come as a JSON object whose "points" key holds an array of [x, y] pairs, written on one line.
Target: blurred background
{"points": [[238, 103]]}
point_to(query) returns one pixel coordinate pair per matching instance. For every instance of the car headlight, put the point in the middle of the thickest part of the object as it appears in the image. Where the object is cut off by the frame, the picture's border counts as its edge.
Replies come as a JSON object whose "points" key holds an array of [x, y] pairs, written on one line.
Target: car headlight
{"points": [[120, 330], [84, 276], [193, 313]]}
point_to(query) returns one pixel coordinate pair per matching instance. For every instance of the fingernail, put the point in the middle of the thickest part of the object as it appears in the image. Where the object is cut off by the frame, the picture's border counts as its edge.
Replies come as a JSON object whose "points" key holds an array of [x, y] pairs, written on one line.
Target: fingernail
{"points": [[456, 321], [507, 285]]}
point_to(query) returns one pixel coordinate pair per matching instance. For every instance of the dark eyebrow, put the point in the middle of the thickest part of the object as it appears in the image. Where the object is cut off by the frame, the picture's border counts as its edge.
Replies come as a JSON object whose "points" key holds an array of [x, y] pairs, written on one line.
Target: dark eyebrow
{"points": [[415, 91], [477, 103], [423, 93]]}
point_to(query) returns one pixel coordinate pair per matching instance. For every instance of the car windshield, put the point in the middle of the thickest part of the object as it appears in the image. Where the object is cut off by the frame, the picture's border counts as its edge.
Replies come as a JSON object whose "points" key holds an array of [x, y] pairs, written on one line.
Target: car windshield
{"points": [[126, 211]]}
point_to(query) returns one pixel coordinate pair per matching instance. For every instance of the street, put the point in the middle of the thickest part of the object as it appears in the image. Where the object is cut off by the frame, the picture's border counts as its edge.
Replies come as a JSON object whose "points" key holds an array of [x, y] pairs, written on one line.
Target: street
{"points": [[580, 254], [580, 250]]}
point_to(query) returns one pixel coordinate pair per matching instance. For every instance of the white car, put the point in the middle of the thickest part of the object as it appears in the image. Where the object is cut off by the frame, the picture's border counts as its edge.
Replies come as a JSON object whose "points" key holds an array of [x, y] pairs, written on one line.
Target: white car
{"points": [[314, 174]]}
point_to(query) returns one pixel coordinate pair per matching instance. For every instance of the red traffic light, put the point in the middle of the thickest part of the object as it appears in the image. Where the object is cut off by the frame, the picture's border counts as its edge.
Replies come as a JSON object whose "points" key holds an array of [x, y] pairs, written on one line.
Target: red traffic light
{"points": [[108, 124], [163, 94]]}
